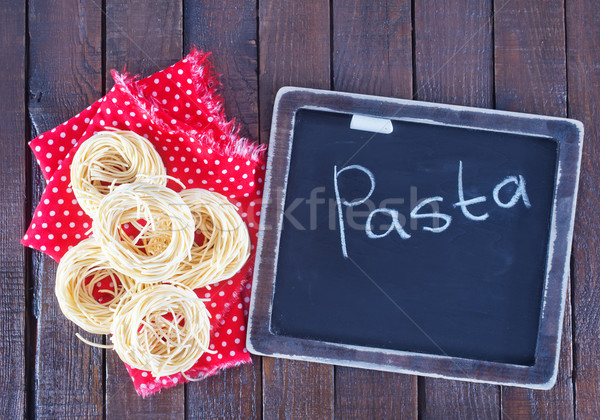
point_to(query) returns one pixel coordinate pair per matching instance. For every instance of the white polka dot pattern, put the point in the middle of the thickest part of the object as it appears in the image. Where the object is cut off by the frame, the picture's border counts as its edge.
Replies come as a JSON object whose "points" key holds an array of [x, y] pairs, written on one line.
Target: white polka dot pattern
{"points": [[178, 111]]}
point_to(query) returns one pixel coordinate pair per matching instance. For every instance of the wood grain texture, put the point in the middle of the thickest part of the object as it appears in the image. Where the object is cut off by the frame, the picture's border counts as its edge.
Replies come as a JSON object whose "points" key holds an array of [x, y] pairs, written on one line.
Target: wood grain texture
{"points": [[294, 49], [454, 52], [369, 394], [454, 64], [122, 402], [231, 394], [64, 72], [583, 41], [297, 390], [530, 64], [13, 192], [519, 403], [462, 400], [372, 47], [65, 75], [145, 37], [231, 37], [142, 36], [372, 54]]}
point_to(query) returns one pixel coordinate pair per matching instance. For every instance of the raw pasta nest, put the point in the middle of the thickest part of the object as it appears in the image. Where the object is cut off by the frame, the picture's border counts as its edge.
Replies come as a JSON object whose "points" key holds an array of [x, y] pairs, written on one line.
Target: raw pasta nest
{"points": [[163, 329], [109, 158], [83, 269], [164, 231], [225, 242]]}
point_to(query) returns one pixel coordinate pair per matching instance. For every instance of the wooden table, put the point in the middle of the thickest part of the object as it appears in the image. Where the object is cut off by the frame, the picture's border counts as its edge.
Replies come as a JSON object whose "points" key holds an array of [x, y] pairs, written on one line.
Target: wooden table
{"points": [[520, 55]]}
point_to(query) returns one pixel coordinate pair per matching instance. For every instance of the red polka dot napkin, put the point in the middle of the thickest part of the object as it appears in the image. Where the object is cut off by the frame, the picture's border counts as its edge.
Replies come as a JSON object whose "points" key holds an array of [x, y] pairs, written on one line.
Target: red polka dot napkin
{"points": [[178, 110]]}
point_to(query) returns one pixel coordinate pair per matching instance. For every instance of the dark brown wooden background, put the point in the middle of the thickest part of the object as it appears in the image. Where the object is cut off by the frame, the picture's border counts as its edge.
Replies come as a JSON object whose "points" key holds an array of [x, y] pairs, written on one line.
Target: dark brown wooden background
{"points": [[520, 55]]}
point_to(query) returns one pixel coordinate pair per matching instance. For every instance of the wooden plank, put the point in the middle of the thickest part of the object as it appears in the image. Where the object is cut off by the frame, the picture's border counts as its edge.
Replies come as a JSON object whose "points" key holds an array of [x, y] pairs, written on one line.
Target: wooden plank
{"points": [[13, 192], [372, 54], [368, 394], [530, 62], [122, 402], [372, 47], [583, 56], [65, 75], [294, 49], [454, 64], [530, 66], [144, 37], [232, 394], [297, 390], [453, 52], [231, 37], [457, 400]]}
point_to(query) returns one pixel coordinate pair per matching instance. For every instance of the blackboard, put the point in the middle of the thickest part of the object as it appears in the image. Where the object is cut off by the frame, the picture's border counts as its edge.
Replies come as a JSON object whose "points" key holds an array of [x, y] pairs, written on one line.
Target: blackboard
{"points": [[473, 290], [424, 231]]}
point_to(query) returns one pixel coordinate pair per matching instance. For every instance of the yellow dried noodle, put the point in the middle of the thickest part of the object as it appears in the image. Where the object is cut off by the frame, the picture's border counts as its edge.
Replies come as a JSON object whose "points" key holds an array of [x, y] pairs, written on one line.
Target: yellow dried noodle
{"points": [[109, 158], [163, 329], [79, 272], [143, 235], [165, 231], [225, 246]]}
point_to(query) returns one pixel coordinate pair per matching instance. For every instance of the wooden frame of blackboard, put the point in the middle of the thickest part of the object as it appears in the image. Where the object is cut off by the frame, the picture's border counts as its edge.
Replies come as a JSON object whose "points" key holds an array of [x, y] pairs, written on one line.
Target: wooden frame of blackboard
{"points": [[569, 136]]}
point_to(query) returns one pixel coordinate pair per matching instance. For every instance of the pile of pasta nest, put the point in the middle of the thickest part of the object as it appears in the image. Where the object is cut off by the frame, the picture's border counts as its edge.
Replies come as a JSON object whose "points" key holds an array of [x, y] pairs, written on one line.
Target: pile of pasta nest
{"points": [[150, 247]]}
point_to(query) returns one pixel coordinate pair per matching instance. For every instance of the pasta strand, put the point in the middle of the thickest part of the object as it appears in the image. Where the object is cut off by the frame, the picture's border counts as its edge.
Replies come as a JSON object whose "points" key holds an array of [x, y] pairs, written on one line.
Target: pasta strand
{"points": [[110, 158]]}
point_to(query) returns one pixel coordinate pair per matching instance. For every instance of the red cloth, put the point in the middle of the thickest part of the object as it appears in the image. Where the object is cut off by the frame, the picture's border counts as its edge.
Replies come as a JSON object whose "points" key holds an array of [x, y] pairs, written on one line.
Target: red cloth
{"points": [[178, 110]]}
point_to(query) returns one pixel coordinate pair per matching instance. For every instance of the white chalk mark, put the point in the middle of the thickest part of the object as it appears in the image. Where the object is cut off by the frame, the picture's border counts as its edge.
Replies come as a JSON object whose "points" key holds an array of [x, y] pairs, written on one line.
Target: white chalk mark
{"points": [[520, 192], [394, 225], [372, 124], [463, 204], [366, 171], [336, 173], [435, 215]]}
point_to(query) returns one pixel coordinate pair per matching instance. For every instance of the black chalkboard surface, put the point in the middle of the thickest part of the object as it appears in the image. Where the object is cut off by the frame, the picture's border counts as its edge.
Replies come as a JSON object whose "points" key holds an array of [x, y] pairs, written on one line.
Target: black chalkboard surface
{"points": [[423, 232], [473, 290]]}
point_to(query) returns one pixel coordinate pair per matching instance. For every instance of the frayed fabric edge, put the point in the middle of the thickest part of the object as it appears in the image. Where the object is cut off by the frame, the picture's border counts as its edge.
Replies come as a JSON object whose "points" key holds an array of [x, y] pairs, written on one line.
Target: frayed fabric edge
{"points": [[206, 87], [201, 376]]}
